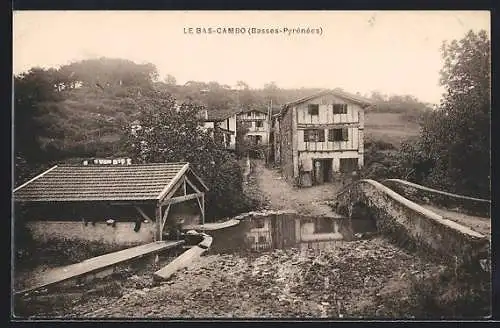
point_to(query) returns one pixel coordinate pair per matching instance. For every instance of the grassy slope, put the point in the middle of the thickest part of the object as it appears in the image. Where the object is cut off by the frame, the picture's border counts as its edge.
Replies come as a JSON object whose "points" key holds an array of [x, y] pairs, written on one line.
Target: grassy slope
{"points": [[389, 127]]}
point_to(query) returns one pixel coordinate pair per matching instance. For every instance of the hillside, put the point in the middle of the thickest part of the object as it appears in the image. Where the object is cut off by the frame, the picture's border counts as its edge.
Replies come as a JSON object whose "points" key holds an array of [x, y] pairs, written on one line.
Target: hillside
{"points": [[389, 127], [82, 108]]}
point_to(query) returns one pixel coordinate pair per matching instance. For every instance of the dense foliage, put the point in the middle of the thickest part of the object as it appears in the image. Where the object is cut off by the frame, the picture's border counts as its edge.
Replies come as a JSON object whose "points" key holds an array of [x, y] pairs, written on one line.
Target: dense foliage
{"points": [[453, 151], [168, 132]]}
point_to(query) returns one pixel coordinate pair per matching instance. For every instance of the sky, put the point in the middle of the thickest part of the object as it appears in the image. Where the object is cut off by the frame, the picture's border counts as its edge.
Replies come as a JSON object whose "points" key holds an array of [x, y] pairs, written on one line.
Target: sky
{"points": [[393, 52]]}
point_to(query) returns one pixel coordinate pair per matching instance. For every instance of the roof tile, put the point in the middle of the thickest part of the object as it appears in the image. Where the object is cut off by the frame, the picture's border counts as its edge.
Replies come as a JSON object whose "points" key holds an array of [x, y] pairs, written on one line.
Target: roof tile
{"points": [[100, 183]]}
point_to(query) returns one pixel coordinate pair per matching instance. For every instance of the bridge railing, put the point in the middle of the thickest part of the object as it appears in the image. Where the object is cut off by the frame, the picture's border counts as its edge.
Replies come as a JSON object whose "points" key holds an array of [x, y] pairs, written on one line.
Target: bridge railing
{"points": [[399, 217], [419, 194]]}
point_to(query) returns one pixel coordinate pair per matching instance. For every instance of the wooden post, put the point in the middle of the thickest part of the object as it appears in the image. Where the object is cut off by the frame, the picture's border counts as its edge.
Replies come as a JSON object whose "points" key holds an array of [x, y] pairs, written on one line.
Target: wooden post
{"points": [[158, 236], [158, 223], [203, 209]]}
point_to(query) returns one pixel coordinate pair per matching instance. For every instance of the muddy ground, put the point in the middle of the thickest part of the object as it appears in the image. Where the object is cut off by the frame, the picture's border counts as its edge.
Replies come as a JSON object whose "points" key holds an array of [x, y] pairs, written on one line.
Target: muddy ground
{"points": [[352, 280]]}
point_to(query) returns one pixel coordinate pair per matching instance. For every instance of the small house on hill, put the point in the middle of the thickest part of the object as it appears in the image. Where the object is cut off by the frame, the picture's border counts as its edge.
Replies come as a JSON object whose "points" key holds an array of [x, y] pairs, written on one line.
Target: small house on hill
{"points": [[224, 122], [114, 204]]}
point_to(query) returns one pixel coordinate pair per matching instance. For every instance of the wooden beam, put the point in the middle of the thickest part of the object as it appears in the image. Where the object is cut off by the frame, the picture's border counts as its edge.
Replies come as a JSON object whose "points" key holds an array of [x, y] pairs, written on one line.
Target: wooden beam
{"points": [[172, 183], [141, 212], [327, 126], [184, 185], [192, 185], [132, 203], [172, 191], [158, 223], [38, 176], [164, 219], [181, 199]]}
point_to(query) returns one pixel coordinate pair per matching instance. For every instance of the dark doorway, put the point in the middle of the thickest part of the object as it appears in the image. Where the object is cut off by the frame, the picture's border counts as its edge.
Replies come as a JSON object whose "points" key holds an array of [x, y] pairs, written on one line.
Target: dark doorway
{"points": [[322, 170], [348, 165]]}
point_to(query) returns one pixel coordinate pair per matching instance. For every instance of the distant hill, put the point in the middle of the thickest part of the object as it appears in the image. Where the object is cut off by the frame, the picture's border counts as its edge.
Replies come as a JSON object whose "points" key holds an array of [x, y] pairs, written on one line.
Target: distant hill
{"points": [[92, 100]]}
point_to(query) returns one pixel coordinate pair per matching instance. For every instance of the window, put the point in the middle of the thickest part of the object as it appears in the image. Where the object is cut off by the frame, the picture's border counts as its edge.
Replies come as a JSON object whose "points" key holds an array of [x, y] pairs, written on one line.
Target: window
{"points": [[314, 135], [339, 108], [249, 114], [262, 239], [323, 225], [258, 140], [313, 109], [338, 135], [259, 124], [258, 224]]}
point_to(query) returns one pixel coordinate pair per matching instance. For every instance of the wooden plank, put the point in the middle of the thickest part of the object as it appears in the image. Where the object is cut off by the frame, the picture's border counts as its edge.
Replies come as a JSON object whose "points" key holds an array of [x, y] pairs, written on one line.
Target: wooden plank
{"points": [[212, 226], [60, 274], [179, 263], [181, 199]]}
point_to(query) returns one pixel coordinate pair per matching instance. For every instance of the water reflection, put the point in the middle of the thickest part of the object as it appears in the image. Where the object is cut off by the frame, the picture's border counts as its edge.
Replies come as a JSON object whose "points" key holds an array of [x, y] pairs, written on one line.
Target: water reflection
{"points": [[265, 232]]}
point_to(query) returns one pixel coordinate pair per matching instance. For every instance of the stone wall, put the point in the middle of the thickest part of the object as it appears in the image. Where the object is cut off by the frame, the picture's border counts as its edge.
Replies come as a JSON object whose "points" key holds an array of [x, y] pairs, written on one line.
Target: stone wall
{"points": [[121, 234], [421, 194], [399, 217]]}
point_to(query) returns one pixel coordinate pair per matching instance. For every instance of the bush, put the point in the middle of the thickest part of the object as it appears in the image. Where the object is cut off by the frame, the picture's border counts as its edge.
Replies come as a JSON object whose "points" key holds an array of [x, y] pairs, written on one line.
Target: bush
{"points": [[449, 293]]}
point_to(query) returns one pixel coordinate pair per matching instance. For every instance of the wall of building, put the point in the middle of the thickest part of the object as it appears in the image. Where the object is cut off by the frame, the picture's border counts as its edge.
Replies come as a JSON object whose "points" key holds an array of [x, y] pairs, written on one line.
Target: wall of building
{"points": [[286, 145], [306, 158], [250, 119], [325, 114], [276, 141], [263, 136], [352, 142], [121, 234]]}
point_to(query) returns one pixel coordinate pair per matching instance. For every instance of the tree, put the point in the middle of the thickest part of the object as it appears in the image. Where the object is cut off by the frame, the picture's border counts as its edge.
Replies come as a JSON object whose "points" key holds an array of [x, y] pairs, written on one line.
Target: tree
{"points": [[172, 133], [170, 80], [271, 92], [455, 139], [35, 117]]}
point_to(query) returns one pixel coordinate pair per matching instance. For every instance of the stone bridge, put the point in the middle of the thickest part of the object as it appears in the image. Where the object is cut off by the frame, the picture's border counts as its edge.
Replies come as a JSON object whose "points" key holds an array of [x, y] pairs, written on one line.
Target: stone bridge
{"points": [[421, 217]]}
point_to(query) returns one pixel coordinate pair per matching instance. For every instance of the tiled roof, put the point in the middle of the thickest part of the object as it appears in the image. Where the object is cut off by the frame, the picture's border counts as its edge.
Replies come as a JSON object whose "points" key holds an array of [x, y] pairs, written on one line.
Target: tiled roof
{"points": [[219, 115], [336, 92], [101, 182]]}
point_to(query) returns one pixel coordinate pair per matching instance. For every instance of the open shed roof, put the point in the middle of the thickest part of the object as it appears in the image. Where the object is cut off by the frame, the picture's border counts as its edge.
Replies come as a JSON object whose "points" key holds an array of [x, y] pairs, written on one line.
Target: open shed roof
{"points": [[137, 182]]}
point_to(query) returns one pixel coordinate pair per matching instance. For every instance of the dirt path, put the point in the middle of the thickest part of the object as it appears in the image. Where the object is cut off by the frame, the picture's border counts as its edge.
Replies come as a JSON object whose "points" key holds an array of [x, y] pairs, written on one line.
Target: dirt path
{"points": [[283, 196], [476, 223]]}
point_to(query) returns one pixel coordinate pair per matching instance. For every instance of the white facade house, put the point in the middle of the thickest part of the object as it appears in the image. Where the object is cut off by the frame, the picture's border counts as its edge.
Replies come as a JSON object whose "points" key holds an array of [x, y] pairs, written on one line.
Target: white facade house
{"points": [[320, 135], [257, 123], [225, 123]]}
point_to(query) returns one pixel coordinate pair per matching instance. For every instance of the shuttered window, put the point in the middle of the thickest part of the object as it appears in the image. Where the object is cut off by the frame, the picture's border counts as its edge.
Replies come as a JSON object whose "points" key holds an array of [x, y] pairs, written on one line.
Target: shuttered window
{"points": [[338, 134], [313, 109], [339, 108], [314, 135]]}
